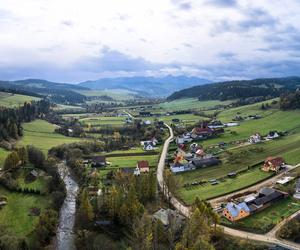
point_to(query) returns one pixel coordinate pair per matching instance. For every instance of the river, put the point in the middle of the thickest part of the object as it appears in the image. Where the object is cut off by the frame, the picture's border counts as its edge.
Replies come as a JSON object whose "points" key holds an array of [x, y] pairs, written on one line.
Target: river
{"points": [[65, 234]]}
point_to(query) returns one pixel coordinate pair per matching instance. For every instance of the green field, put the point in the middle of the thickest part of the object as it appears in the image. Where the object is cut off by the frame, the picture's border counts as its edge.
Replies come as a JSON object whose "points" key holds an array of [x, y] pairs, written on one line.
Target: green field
{"points": [[15, 215], [131, 161], [3, 154], [190, 103], [264, 221], [41, 134], [10, 100], [103, 120], [209, 191], [116, 94]]}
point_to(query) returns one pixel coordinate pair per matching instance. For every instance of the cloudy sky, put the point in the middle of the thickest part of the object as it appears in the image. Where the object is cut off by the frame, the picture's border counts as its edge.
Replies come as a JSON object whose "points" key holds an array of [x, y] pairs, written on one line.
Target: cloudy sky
{"points": [[76, 40]]}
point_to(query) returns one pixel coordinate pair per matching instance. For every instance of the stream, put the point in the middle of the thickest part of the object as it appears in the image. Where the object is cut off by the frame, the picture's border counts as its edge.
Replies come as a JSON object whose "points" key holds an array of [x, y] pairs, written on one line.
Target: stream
{"points": [[65, 235]]}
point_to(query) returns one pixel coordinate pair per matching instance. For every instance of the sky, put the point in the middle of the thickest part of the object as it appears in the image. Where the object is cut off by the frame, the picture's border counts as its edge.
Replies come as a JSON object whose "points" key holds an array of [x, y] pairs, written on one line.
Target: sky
{"points": [[78, 40]]}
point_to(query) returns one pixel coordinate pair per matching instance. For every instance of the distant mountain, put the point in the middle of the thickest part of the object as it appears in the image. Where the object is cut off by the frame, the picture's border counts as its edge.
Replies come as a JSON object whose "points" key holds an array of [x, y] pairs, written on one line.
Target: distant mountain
{"points": [[149, 86], [57, 92], [273, 87]]}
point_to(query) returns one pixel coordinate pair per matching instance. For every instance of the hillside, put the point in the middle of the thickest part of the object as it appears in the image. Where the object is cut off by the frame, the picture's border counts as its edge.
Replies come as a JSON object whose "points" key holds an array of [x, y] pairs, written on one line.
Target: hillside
{"points": [[239, 89], [153, 86], [57, 92]]}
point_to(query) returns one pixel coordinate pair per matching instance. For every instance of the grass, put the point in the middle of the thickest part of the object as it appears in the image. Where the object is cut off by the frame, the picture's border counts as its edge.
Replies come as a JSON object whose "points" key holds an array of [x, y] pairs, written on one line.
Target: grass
{"points": [[39, 184], [41, 134], [10, 100], [230, 185], [190, 103], [15, 215], [264, 221], [103, 120], [116, 94], [131, 161], [3, 154]]}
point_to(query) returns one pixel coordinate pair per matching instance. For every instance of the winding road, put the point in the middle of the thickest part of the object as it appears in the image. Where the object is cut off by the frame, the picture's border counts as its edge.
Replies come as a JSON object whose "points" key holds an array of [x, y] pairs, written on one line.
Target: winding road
{"points": [[270, 237]]}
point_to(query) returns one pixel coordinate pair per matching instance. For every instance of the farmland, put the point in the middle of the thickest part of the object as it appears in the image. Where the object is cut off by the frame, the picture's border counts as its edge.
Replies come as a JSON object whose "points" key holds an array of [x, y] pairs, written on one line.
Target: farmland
{"points": [[10, 100], [20, 221], [41, 134]]}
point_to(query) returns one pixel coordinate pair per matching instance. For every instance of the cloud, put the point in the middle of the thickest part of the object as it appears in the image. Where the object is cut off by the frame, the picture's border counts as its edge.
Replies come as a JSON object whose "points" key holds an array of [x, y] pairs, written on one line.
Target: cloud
{"points": [[182, 4], [68, 23], [222, 3]]}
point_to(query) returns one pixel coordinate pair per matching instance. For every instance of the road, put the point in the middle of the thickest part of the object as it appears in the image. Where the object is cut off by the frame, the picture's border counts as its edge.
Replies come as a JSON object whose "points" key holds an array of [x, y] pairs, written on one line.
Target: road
{"points": [[185, 210], [127, 113]]}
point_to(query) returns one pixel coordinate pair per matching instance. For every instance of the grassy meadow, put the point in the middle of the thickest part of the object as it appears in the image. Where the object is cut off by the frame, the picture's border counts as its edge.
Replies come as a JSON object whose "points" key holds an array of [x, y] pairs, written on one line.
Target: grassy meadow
{"points": [[11, 100], [15, 216], [41, 134]]}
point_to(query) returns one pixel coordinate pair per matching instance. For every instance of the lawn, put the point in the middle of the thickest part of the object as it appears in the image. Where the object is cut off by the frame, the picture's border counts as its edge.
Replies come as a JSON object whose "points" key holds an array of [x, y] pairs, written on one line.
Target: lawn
{"points": [[264, 221], [15, 215], [41, 134], [131, 161], [96, 121], [116, 94], [209, 191], [10, 100]]}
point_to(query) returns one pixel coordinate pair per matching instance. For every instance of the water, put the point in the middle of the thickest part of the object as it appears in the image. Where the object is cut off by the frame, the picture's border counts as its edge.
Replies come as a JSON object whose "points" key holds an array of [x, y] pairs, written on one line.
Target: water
{"points": [[65, 234]]}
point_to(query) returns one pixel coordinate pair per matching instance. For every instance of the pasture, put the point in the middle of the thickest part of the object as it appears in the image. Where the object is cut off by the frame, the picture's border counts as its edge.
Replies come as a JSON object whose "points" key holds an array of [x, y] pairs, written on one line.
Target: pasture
{"points": [[15, 216], [41, 134], [11, 100]]}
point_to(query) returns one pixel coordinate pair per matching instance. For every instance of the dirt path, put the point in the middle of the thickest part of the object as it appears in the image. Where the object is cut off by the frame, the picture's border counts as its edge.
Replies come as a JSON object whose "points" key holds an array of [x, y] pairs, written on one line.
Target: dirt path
{"points": [[185, 210]]}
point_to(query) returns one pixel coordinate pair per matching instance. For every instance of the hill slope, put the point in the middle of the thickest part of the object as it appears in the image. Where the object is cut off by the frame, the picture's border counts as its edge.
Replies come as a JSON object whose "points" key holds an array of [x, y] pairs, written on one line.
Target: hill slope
{"points": [[154, 86], [239, 89], [58, 92]]}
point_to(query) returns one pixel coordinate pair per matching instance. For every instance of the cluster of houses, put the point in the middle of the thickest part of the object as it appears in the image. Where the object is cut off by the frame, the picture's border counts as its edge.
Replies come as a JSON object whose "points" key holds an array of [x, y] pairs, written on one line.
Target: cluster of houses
{"points": [[273, 164], [252, 203], [256, 138]]}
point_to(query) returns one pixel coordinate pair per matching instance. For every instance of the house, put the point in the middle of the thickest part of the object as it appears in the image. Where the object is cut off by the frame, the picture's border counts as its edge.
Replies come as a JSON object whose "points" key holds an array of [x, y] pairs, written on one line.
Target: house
{"points": [[272, 135], [194, 147], [147, 122], [98, 161], [216, 124], [168, 216], [273, 164], [256, 138], [285, 180], [143, 166], [136, 171], [206, 162], [145, 113], [32, 175], [266, 197], [232, 124], [148, 146], [297, 190], [203, 130], [179, 167], [200, 152], [183, 140], [234, 212]]}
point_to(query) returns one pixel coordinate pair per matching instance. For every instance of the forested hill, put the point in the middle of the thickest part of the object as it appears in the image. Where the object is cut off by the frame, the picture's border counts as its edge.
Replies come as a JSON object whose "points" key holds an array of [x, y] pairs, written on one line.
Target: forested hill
{"points": [[57, 92], [240, 89]]}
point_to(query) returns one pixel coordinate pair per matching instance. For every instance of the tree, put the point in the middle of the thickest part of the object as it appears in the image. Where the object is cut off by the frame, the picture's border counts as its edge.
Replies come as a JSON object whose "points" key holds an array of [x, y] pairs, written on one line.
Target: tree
{"points": [[11, 161], [171, 184], [35, 156], [46, 227], [85, 211], [23, 155], [142, 233]]}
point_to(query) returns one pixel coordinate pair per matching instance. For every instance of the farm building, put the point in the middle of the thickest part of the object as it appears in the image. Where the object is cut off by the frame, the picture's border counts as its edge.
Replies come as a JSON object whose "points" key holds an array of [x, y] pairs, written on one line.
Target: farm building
{"points": [[266, 197], [297, 191], [168, 216], [216, 124], [143, 166], [234, 212], [205, 162], [98, 161], [179, 167], [273, 164]]}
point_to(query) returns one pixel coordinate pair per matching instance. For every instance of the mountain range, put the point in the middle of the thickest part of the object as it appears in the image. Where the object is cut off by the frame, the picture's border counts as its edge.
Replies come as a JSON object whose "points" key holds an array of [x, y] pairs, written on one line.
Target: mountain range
{"points": [[146, 86]]}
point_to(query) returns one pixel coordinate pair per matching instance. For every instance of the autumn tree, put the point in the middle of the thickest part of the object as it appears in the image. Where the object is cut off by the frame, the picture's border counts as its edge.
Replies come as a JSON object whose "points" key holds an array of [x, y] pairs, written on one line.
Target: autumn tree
{"points": [[11, 161]]}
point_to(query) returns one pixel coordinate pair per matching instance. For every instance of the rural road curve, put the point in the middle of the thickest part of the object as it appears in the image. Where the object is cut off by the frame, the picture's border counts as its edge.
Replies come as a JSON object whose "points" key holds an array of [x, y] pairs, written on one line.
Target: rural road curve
{"points": [[185, 210]]}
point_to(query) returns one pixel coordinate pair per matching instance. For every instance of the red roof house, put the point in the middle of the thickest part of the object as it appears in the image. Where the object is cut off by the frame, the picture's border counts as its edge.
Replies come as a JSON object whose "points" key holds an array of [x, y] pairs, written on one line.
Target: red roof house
{"points": [[143, 166], [273, 164]]}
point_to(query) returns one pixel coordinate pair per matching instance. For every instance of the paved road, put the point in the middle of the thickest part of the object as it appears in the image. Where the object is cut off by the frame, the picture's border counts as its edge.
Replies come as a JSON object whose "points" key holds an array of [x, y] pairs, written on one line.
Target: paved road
{"points": [[127, 113], [185, 210]]}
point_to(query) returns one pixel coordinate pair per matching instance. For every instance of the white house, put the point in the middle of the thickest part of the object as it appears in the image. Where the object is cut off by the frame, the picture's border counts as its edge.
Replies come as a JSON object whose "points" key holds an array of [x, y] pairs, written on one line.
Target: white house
{"points": [[272, 135], [256, 138], [147, 122], [232, 124], [136, 171], [148, 146]]}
